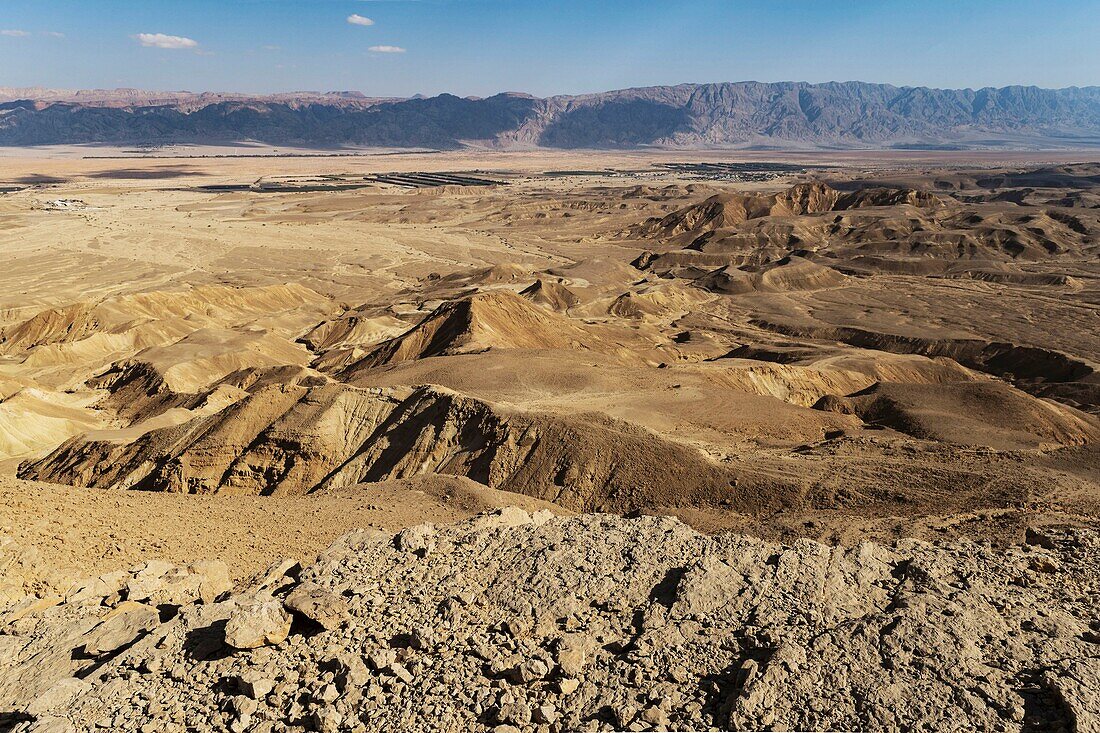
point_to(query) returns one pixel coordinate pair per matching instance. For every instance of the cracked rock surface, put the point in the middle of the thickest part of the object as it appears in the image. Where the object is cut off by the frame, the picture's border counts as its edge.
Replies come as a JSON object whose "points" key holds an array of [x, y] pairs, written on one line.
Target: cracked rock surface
{"points": [[511, 621]]}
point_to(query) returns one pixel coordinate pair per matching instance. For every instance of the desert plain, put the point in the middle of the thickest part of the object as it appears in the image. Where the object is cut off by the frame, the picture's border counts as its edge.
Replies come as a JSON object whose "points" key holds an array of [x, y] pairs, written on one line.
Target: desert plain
{"points": [[240, 356]]}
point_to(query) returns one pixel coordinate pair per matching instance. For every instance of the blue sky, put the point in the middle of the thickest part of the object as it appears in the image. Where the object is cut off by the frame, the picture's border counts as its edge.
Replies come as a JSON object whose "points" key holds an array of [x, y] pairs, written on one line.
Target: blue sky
{"points": [[479, 47]]}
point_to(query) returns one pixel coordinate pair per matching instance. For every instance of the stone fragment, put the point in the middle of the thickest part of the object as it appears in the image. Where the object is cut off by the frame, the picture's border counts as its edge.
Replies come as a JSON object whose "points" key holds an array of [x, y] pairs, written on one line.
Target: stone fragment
{"points": [[327, 720], [546, 714], [419, 540], [57, 697], [243, 710], [351, 671], [255, 685], [97, 590], [626, 714], [528, 671], [214, 579], [1039, 538], [318, 605], [400, 672], [29, 606], [276, 575], [361, 539], [655, 717], [49, 724], [572, 654], [517, 713], [380, 659], [243, 706], [122, 626], [328, 694], [541, 517], [147, 579], [568, 685], [257, 624]]}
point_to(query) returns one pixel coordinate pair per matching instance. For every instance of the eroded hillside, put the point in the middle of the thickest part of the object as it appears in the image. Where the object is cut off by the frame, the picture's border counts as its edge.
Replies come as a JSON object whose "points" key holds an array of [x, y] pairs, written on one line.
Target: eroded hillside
{"points": [[203, 372], [915, 344]]}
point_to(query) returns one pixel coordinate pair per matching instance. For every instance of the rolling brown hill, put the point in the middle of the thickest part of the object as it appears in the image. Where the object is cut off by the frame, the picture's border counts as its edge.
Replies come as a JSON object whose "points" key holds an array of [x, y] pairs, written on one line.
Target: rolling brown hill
{"points": [[598, 345]]}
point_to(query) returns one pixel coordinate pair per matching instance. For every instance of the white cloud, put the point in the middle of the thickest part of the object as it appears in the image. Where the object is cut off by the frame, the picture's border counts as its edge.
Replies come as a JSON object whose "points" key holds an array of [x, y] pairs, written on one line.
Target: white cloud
{"points": [[14, 33], [356, 19], [160, 40], [53, 34], [386, 49]]}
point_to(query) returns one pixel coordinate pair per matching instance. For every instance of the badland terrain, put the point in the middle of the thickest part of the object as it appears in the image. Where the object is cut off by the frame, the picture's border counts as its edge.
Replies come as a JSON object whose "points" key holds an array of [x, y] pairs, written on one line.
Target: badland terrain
{"points": [[556, 440]]}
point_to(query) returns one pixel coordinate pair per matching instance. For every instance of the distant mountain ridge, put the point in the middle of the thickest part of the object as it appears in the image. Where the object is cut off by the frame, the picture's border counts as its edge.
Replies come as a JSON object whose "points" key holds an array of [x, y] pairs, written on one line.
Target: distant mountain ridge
{"points": [[724, 115], [142, 97]]}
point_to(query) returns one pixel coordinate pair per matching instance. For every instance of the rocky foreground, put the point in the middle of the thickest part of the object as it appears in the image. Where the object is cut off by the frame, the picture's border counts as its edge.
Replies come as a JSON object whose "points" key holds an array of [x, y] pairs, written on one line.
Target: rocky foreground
{"points": [[515, 622]]}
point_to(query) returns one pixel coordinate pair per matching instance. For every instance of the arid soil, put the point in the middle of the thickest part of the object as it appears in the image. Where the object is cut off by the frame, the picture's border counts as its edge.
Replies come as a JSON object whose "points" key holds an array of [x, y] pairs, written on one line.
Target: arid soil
{"points": [[76, 534], [240, 360]]}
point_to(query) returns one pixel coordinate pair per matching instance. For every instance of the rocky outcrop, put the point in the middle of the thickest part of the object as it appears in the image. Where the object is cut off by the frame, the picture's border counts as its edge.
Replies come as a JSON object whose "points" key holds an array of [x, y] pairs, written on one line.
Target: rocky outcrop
{"points": [[550, 294], [725, 210], [789, 273], [300, 437], [53, 325], [498, 319], [1045, 372], [518, 622], [984, 413]]}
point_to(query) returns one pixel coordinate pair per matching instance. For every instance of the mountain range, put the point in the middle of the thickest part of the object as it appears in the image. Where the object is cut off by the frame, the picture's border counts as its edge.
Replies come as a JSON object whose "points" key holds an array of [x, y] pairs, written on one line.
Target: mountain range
{"points": [[841, 115]]}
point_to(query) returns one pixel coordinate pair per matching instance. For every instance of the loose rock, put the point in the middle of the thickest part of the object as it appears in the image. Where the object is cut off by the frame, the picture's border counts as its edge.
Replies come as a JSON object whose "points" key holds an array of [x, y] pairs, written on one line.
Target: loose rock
{"points": [[318, 605], [256, 624]]}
